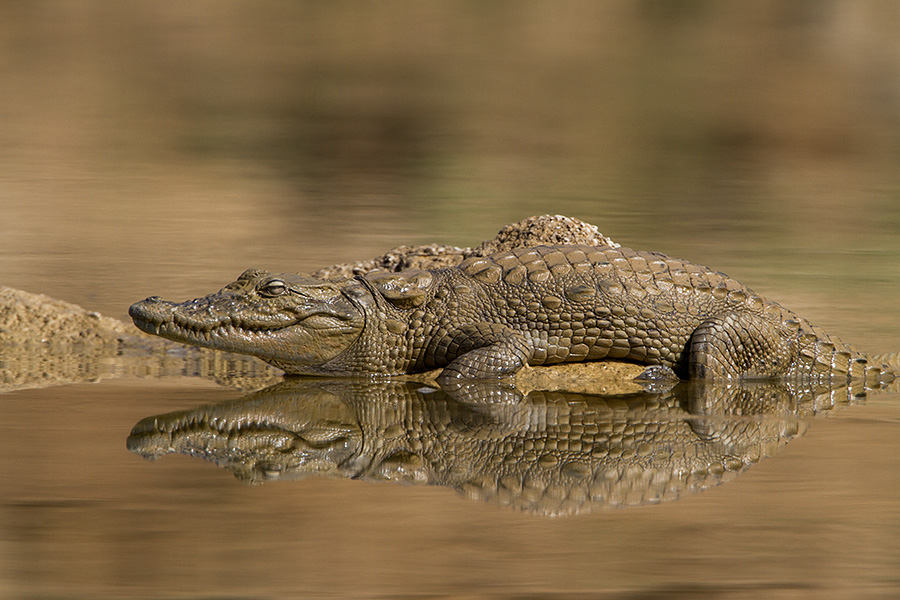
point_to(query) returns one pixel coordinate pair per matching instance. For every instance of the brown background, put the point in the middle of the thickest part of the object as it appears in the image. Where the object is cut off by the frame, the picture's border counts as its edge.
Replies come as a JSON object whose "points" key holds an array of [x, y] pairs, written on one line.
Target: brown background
{"points": [[164, 147]]}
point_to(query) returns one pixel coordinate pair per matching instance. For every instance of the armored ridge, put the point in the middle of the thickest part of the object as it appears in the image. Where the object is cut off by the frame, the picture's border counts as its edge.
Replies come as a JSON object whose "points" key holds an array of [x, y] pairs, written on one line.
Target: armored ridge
{"points": [[489, 316]]}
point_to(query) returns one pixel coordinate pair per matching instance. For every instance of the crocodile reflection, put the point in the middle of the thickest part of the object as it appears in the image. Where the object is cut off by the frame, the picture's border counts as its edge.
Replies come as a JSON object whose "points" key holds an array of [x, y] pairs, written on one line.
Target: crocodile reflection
{"points": [[548, 453]]}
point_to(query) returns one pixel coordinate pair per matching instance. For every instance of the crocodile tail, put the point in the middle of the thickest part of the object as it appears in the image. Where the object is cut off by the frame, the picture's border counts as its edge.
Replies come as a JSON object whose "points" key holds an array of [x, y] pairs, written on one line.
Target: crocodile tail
{"points": [[889, 363], [823, 358], [826, 359]]}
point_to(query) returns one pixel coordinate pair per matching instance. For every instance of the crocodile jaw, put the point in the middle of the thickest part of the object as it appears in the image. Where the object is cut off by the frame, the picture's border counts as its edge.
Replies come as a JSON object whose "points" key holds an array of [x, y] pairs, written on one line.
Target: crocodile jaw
{"points": [[289, 330], [258, 441]]}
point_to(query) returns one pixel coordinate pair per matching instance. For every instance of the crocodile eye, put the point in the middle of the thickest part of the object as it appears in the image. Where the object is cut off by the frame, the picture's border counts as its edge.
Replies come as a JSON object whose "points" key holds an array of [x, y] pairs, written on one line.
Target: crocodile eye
{"points": [[275, 287]]}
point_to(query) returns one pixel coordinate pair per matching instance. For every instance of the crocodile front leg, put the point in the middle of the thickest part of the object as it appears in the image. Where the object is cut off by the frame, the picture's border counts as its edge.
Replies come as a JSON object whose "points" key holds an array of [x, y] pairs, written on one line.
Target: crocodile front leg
{"points": [[481, 351]]}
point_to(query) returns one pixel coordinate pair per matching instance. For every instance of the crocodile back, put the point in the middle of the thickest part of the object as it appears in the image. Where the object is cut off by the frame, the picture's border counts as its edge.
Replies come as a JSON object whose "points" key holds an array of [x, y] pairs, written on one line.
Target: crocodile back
{"points": [[578, 303], [581, 303]]}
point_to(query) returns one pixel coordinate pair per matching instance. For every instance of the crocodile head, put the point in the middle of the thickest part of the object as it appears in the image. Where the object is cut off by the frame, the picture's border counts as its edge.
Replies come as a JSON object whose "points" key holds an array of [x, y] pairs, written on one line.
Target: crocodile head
{"points": [[293, 321], [275, 434]]}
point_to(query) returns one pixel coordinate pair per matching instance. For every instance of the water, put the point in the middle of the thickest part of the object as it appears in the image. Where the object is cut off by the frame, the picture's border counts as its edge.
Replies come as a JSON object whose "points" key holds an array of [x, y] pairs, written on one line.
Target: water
{"points": [[153, 148]]}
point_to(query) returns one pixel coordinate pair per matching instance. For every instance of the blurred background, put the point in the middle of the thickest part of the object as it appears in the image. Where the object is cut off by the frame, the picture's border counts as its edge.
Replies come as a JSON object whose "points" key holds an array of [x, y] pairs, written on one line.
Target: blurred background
{"points": [[163, 147]]}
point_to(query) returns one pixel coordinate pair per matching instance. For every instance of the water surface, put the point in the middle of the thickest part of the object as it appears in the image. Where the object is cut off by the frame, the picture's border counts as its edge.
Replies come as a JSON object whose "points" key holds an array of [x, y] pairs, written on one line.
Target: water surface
{"points": [[155, 148]]}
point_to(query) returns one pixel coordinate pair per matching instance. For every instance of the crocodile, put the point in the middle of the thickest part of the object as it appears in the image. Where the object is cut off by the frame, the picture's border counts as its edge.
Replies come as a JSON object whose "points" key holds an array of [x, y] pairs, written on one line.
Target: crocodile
{"points": [[545, 453], [489, 316]]}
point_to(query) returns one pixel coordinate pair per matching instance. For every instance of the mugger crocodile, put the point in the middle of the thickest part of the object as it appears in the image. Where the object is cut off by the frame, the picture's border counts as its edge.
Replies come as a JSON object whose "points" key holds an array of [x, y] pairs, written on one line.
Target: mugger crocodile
{"points": [[546, 453], [489, 316]]}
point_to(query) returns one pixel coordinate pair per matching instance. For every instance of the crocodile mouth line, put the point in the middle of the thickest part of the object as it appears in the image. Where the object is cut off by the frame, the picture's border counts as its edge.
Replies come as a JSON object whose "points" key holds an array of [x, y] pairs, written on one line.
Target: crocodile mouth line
{"points": [[201, 434], [206, 424], [247, 433], [180, 329]]}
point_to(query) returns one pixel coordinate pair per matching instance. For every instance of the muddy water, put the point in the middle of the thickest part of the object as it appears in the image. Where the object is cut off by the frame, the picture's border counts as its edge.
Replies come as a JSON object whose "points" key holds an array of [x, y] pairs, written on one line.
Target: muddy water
{"points": [[152, 148]]}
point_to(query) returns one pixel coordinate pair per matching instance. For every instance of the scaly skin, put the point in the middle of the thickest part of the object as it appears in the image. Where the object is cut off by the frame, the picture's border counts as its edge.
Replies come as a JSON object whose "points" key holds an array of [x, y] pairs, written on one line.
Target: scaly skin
{"points": [[547, 453], [490, 316]]}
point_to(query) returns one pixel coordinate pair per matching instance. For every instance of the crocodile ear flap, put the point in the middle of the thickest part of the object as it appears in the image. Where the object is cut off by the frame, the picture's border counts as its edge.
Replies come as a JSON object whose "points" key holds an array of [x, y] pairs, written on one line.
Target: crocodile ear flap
{"points": [[407, 289]]}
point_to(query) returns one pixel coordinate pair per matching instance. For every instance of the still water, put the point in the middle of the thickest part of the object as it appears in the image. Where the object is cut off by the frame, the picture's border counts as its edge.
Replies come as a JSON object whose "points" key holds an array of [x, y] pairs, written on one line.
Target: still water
{"points": [[154, 148]]}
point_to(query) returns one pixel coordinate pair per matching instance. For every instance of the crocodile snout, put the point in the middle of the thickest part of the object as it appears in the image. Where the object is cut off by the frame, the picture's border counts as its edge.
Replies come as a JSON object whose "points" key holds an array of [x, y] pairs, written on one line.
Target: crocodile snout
{"points": [[151, 311]]}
